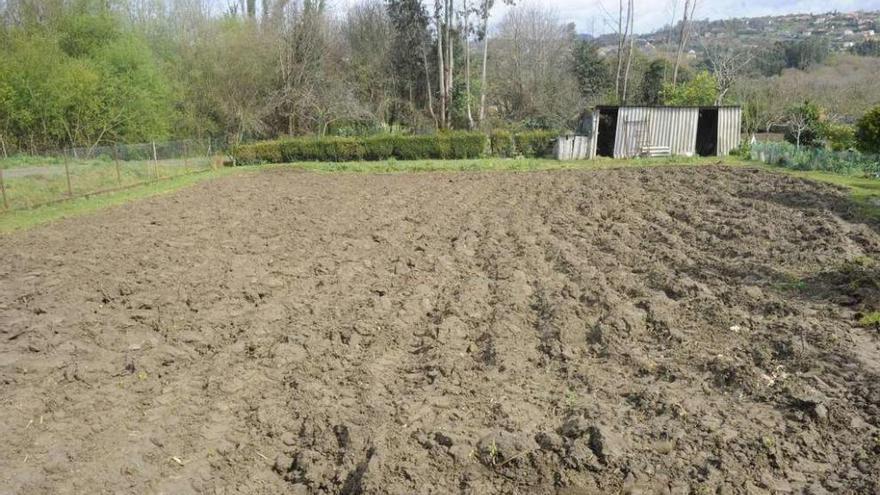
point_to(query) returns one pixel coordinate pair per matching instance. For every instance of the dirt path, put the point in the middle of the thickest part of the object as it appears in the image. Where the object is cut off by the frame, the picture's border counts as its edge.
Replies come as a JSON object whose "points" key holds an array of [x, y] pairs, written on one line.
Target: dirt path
{"points": [[667, 330]]}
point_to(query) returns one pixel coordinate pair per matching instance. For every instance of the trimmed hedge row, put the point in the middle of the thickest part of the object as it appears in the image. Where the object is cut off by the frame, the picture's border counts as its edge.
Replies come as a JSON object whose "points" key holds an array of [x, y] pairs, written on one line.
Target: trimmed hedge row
{"points": [[447, 145]]}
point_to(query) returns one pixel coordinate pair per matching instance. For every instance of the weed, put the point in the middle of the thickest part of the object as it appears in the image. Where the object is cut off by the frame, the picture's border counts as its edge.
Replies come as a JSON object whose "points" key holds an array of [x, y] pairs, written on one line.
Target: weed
{"points": [[570, 400], [493, 453], [871, 319], [791, 283]]}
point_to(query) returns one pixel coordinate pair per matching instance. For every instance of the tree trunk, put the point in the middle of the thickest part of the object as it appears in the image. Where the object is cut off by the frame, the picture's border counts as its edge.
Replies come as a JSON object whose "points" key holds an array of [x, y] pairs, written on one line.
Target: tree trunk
{"points": [[440, 66], [621, 39], [485, 58], [682, 40], [450, 62], [428, 84], [467, 63], [632, 41]]}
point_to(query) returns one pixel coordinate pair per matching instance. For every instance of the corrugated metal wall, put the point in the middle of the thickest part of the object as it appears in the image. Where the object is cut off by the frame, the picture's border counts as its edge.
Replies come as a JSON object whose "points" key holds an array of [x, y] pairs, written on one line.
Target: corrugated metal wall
{"points": [[729, 125], [656, 126], [573, 147]]}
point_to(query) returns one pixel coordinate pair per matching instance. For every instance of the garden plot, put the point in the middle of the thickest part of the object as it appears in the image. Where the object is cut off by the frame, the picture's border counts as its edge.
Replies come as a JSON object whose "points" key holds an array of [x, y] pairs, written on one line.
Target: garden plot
{"points": [[669, 330]]}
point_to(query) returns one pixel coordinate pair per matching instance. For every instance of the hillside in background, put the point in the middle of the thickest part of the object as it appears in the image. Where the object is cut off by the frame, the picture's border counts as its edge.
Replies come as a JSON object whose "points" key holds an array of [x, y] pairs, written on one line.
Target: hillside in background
{"points": [[842, 30]]}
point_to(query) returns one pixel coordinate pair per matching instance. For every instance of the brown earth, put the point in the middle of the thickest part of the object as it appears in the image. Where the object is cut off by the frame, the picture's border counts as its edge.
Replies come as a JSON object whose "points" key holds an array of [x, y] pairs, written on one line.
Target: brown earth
{"points": [[662, 330]]}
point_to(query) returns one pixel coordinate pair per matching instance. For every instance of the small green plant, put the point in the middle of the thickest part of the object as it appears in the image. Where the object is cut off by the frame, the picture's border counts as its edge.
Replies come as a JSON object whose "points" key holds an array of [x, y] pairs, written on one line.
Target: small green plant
{"points": [[871, 319], [791, 283], [493, 453]]}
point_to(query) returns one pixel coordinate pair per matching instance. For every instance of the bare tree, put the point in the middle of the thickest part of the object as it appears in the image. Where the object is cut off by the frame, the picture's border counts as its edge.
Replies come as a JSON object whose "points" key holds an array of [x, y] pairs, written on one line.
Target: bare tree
{"points": [[466, 33], [728, 64], [687, 18], [799, 122], [484, 11], [439, 6], [632, 41]]}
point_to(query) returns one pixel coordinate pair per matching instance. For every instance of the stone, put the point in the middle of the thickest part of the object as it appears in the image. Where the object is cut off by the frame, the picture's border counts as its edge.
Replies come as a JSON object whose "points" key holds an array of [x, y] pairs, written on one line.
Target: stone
{"points": [[607, 444]]}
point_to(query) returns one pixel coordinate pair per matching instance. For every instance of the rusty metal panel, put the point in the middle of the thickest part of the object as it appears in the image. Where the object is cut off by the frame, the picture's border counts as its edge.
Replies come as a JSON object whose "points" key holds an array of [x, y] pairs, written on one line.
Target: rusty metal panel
{"points": [[675, 127], [729, 129]]}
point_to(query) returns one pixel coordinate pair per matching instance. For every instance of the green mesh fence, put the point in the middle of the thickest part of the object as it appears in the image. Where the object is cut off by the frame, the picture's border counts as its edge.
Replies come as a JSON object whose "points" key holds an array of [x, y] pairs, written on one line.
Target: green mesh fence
{"points": [[839, 162]]}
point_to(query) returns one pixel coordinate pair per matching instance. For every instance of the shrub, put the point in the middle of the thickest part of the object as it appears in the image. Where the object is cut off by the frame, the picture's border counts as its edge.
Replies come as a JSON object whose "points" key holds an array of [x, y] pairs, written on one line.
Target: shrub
{"points": [[868, 131], [340, 149], [379, 147], [501, 144], [534, 144], [809, 118], [840, 137], [444, 145]]}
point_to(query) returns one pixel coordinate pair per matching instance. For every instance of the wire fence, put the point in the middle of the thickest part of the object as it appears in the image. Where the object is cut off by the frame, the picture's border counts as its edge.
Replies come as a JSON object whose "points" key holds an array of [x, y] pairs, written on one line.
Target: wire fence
{"points": [[30, 181], [839, 162]]}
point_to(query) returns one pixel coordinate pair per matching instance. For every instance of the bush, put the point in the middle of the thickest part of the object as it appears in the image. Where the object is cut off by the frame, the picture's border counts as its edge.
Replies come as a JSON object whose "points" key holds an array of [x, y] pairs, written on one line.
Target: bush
{"points": [[445, 145], [868, 131], [812, 116], [501, 144], [534, 144], [840, 137]]}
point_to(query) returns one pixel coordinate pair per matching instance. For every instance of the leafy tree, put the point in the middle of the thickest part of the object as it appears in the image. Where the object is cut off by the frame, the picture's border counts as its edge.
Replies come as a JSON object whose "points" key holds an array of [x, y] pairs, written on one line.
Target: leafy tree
{"points": [[868, 131], [651, 89], [701, 90], [409, 55], [86, 83], [867, 48], [804, 124], [839, 137], [771, 61], [593, 74], [806, 53]]}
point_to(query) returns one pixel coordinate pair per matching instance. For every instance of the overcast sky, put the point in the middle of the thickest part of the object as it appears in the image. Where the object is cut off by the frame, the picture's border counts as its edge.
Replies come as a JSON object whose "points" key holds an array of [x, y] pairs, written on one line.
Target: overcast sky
{"points": [[591, 16]]}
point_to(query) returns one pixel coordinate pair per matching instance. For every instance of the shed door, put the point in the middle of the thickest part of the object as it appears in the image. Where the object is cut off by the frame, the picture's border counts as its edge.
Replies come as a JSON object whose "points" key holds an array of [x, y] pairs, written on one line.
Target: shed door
{"points": [[635, 137]]}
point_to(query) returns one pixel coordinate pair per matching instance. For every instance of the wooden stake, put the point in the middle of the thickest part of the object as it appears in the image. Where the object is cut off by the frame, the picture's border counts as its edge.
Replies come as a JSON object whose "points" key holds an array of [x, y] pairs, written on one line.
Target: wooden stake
{"points": [[3, 190], [185, 160], [116, 162], [67, 173], [155, 160]]}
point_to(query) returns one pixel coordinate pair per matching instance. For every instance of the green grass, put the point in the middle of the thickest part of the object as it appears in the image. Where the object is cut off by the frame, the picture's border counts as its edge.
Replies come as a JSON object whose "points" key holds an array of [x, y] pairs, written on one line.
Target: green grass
{"points": [[24, 219], [49, 182], [870, 320]]}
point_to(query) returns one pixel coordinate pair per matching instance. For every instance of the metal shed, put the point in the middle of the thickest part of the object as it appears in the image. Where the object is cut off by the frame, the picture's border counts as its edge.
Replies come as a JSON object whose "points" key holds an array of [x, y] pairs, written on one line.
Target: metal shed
{"points": [[629, 131]]}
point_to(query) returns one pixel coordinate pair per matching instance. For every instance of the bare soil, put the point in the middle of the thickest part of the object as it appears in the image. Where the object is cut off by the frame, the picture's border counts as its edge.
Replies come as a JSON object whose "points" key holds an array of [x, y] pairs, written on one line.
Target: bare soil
{"points": [[662, 330]]}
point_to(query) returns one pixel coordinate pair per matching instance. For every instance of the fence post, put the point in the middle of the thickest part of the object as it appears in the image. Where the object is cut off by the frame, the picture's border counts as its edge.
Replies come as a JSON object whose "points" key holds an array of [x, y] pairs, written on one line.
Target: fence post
{"points": [[211, 156], [116, 162], [155, 160], [3, 190], [185, 159], [67, 173]]}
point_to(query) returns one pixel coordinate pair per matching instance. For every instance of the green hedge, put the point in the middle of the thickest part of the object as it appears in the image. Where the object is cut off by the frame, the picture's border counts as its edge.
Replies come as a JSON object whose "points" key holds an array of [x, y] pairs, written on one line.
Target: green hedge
{"points": [[445, 145], [534, 143]]}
